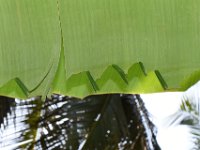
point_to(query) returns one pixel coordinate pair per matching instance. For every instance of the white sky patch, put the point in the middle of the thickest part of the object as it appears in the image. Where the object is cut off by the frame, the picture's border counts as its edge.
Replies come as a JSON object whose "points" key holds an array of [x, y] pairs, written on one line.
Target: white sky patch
{"points": [[175, 138]]}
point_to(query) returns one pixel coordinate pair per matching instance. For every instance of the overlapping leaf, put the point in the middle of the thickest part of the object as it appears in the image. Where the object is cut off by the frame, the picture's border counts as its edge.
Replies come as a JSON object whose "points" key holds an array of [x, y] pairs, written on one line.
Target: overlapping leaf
{"points": [[101, 41]]}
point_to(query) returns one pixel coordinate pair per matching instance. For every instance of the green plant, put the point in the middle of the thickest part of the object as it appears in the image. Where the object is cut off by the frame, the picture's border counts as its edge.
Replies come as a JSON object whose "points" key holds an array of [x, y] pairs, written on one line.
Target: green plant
{"points": [[103, 122], [95, 47], [80, 48], [189, 115]]}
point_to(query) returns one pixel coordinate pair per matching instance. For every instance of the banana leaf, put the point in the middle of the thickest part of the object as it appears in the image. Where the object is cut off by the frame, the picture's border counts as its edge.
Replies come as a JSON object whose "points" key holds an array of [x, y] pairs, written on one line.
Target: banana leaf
{"points": [[79, 48]]}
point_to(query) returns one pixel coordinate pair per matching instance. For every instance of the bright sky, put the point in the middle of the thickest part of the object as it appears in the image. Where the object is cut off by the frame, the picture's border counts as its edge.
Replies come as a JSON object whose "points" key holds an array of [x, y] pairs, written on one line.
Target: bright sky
{"points": [[160, 106]]}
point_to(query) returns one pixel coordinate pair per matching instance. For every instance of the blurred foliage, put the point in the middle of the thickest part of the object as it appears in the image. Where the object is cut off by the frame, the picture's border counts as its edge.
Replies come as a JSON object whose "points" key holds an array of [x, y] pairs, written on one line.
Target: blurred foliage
{"points": [[110, 121], [189, 115]]}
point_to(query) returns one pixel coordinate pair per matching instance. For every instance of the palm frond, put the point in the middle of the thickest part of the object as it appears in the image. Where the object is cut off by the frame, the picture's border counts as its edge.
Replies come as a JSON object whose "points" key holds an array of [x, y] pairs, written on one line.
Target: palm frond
{"points": [[110, 121], [5, 108], [140, 123]]}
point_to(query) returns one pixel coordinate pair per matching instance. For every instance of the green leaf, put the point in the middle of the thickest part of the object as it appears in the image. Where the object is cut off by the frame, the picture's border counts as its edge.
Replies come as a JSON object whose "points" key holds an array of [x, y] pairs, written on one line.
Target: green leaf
{"points": [[79, 85], [161, 34], [29, 42], [14, 88], [94, 85], [111, 81], [121, 73], [190, 80], [141, 82], [96, 35]]}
